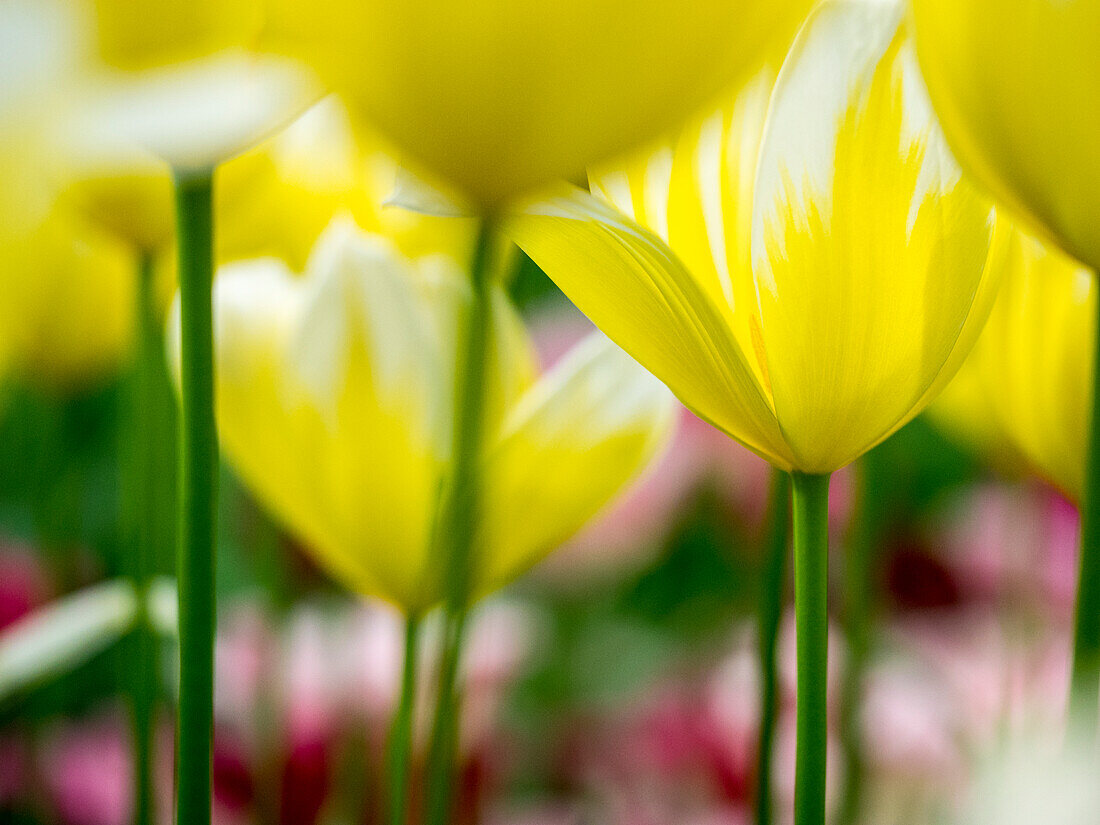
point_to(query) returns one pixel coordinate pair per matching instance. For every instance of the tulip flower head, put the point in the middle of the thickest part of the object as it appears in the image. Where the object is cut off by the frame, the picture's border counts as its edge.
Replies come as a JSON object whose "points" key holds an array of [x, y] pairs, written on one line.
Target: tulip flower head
{"points": [[496, 97], [1015, 83], [1034, 359], [183, 80], [335, 392], [824, 273], [66, 300]]}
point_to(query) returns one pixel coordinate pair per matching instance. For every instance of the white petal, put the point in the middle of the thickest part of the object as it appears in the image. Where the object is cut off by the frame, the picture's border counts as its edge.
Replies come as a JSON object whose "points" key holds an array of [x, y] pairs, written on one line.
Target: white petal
{"points": [[833, 58], [198, 114], [65, 633]]}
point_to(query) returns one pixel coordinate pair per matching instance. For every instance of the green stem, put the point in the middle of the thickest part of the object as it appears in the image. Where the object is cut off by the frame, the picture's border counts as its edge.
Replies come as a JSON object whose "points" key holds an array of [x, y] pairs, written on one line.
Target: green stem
{"points": [[858, 587], [771, 610], [198, 453], [400, 744], [458, 519], [810, 508], [444, 734], [149, 501], [1085, 680]]}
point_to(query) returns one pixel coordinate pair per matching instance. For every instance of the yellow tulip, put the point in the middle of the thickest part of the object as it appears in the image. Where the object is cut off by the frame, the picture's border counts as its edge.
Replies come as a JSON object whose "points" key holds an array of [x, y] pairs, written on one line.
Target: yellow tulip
{"points": [[275, 199], [140, 34], [335, 396], [66, 289], [826, 275], [127, 193], [1015, 83], [1034, 359], [496, 97], [182, 78]]}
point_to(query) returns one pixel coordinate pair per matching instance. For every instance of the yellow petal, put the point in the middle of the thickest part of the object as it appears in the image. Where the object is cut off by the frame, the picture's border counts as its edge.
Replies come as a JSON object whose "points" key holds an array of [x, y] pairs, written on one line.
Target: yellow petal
{"points": [[66, 303], [498, 97], [1035, 357], [1015, 83], [868, 247], [637, 291], [129, 194], [696, 193], [567, 448], [971, 406], [137, 34], [335, 395]]}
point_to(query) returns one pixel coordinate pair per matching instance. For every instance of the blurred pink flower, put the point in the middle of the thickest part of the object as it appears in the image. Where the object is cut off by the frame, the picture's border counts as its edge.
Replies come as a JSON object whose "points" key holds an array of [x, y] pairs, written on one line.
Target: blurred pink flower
{"points": [[911, 728], [242, 657], [1017, 542], [86, 767], [234, 787], [305, 781], [24, 583]]}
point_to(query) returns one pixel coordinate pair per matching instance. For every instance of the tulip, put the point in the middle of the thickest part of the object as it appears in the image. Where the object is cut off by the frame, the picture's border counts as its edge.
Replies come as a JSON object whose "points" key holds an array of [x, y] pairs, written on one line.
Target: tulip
{"points": [[499, 97], [1024, 396], [1013, 100], [65, 303], [1035, 359], [333, 405], [336, 395], [1034, 362], [824, 276]]}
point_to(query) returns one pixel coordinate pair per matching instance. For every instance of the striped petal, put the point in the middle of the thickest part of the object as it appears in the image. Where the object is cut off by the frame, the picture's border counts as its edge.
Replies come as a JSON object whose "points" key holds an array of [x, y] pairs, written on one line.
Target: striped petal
{"points": [[868, 247], [334, 401], [627, 280]]}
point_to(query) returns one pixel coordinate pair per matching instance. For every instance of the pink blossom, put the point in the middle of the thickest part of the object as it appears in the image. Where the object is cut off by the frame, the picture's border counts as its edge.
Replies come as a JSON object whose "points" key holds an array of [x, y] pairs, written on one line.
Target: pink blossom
{"points": [[87, 769], [24, 584]]}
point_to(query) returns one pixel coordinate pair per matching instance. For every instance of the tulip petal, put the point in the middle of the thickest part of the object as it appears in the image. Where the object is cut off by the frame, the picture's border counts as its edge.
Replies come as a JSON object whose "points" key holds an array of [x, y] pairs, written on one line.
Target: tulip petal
{"points": [[335, 398], [198, 114], [571, 443], [868, 247], [696, 194], [1036, 358], [331, 431], [1015, 83], [499, 98], [65, 634], [633, 287]]}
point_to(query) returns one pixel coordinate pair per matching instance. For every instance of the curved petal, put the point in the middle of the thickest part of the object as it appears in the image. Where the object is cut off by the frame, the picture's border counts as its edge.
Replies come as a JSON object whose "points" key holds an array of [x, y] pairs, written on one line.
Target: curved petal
{"points": [[1015, 83], [64, 634], [567, 448], [499, 97], [1036, 358], [635, 289], [696, 194], [868, 247], [334, 397], [196, 115]]}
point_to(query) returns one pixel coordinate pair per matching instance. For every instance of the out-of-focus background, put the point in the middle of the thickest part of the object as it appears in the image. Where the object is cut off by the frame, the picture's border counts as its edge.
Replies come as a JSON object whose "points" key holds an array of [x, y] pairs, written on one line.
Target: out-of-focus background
{"points": [[617, 683]]}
